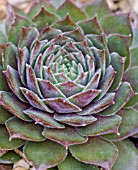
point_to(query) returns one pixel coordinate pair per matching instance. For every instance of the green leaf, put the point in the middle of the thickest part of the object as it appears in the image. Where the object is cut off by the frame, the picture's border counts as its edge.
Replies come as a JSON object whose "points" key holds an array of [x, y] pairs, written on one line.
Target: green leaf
{"points": [[127, 156], [70, 8], [132, 76], [3, 84], [44, 154], [5, 143], [134, 58], [43, 18], [4, 115], [9, 158], [128, 126], [120, 44], [16, 29], [97, 7], [103, 125], [23, 130], [71, 163], [117, 23], [67, 136], [122, 96], [96, 151]]}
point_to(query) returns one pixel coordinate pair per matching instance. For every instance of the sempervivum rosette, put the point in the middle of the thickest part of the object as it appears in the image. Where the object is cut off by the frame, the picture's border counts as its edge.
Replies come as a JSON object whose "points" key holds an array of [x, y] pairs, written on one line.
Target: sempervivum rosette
{"points": [[68, 90]]}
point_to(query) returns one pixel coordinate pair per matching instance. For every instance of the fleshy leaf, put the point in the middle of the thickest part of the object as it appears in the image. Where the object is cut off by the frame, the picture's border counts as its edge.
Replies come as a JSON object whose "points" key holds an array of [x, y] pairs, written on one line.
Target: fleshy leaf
{"points": [[98, 7], [16, 108], [74, 119], [134, 58], [44, 154], [71, 163], [43, 118], [96, 151], [16, 28], [91, 26], [27, 37], [122, 96], [43, 18], [3, 84], [61, 105], [72, 9], [9, 158], [128, 127], [66, 137], [103, 125], [117, 23], [127, 156], [122, 48], [34, 100], [118, 64], [23, 130], [5, 143], [132, 76], [98, 106], [4, 115]]}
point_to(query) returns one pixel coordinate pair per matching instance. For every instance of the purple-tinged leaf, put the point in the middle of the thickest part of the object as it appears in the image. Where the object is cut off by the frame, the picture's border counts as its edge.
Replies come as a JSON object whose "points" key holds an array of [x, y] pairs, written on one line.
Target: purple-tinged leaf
{"points": [[94, 81], [13, 105], [76, 35], [96, 151], [70, 163], [23, 130], [61, 105], [103, 125], [48, 33], [8, 55], [98, 7], [74, 119], [118, 65], [82, 99], [42, 155], [61, 77], [128, 126], [14, 82], [27, 37], [49, 60], [69, 88], [98, 106], [3, 84], [38, 66], [117, 23], [122, 48], [70, 8], [122, 96], [22, 60], [67, 24], [34, 100], [16, 28], [60, 40], [37, 49], [42, 18], [5, 143], [82, 78], [127, 156], [132, 76], [70, 47], [48, 75], [66, 137], [43, 118], [100, 61], [107, 81], [49, 90], [91, 26], [31, 81]]}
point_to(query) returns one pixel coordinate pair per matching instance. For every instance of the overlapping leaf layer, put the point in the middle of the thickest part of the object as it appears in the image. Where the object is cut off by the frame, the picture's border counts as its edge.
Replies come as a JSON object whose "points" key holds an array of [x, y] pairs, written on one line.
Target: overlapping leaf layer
{"points": [[68, 89]]}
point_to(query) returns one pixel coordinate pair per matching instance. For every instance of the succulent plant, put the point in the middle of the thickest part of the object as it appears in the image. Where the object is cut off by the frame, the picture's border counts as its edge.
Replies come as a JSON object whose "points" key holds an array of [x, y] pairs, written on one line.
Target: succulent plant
{"points": [[69, 83]]}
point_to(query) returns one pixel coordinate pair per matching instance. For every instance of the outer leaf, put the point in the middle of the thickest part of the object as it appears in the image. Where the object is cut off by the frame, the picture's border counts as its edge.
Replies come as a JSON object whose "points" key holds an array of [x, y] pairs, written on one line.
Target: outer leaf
{"points": [[134, 57], [24, 130], [127, 156], [9, 158], [71, 163], [5, 143], [66, 137], [128, 127], [95, 151], [4, 115], [45, 154], [72, 9]]}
